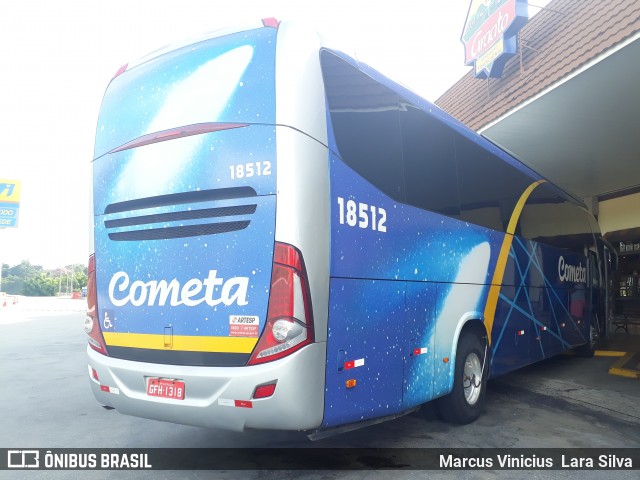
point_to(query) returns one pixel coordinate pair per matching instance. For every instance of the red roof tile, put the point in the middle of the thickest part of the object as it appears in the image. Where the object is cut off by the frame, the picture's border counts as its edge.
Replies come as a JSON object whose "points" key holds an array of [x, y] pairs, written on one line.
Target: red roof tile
{"points": [[555, 43]]}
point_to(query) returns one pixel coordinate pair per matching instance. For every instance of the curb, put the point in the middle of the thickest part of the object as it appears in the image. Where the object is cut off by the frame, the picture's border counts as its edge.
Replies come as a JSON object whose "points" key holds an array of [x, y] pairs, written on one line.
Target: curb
{"points": [[627, 366], [609, 353]]}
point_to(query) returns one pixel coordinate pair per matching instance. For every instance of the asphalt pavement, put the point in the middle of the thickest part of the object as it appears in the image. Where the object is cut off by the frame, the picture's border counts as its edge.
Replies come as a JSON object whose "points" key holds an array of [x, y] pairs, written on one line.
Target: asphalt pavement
{"points": [[45, 400]]}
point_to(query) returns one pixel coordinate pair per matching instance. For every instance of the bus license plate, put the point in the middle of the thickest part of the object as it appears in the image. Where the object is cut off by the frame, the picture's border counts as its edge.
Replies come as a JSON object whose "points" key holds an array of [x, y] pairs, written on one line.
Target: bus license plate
{"points": [[165, 388]]}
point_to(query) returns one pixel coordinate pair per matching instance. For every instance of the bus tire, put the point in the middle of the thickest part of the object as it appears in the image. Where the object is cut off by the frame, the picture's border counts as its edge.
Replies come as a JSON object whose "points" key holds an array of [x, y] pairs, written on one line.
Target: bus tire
{"points": [[589, 349], [465, 402]]}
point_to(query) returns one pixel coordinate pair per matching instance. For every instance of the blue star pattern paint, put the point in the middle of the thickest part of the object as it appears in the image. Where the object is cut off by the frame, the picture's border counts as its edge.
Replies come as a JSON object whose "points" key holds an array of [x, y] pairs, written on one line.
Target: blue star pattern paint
{"points": [[287, 239], [186, 226]]}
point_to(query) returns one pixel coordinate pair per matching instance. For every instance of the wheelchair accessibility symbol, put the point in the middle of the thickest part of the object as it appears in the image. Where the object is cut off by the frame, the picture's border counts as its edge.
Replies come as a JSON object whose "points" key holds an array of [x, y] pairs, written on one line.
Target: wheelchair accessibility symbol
{"points": [[107, 321]]}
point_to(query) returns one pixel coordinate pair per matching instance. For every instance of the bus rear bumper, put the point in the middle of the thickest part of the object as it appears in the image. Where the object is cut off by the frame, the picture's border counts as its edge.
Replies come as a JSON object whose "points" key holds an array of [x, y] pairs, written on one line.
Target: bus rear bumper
{"points": [[218, 397]]}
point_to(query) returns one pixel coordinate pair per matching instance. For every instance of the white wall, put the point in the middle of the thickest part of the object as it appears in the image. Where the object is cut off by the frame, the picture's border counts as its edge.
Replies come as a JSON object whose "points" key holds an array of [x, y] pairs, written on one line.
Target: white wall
{"points": [[620, 213]]}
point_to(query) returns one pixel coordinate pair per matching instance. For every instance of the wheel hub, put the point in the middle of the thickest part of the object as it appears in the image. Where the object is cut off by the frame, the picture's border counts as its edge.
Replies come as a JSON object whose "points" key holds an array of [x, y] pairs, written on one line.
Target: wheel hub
{"points": [[472, 378]]}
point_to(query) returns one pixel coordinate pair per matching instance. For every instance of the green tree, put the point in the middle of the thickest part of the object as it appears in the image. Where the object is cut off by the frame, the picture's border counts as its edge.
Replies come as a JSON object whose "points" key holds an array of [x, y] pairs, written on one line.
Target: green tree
{"points": [[33, 280], [40, 285], [12, 285], [13, 278], [23, 270], [80, 276]]}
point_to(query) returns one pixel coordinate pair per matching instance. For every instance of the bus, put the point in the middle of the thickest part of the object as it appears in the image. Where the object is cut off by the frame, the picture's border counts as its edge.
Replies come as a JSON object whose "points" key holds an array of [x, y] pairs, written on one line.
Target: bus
{"points": [[284, 238]]}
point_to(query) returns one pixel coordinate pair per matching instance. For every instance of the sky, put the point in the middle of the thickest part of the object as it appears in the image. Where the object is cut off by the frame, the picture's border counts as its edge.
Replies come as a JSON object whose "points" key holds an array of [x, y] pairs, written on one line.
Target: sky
{"points": [[57, 57]]}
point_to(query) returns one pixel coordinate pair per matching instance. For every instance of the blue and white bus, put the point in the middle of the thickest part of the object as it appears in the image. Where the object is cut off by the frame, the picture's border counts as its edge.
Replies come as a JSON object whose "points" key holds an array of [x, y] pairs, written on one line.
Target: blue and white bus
{"points": [[286, 239]]}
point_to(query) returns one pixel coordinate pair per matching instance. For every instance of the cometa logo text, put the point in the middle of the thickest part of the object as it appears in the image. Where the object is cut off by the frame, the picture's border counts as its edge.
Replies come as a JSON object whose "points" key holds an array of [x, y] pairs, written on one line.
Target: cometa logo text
{"points": [[571, 273], [210, 290]]}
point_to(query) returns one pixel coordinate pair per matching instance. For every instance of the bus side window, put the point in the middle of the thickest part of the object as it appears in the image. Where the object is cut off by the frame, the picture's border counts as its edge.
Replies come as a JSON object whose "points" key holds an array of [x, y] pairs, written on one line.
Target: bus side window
{"points": [[364, 115], [551, 218], [489, 187], [429, 162]]}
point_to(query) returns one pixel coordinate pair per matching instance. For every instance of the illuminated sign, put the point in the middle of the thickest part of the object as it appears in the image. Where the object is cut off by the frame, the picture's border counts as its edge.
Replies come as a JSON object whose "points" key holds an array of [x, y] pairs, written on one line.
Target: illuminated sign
{"points": [[9, 202], [490, 34]]}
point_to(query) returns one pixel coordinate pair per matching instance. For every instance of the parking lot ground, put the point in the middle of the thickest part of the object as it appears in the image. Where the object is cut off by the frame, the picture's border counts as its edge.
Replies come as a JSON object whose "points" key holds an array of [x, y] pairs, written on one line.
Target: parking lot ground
{"points": [[564, 402], [581, 382]]}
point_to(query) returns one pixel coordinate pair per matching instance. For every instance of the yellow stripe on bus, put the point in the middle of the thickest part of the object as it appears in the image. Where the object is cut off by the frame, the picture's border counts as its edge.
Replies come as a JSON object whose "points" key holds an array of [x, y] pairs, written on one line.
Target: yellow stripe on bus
{"points": [[503, 256], [181, 342]]}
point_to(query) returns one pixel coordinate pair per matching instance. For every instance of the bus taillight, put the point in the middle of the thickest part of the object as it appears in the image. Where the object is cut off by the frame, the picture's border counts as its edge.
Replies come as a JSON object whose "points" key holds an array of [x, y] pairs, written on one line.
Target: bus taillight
{"points": [[91, 322], [290, 319]]}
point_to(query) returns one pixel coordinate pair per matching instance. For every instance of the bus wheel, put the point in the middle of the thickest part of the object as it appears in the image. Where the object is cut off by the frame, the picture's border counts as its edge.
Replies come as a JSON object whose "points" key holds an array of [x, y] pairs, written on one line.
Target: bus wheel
{"points": [[464, 404], [588, 349]]}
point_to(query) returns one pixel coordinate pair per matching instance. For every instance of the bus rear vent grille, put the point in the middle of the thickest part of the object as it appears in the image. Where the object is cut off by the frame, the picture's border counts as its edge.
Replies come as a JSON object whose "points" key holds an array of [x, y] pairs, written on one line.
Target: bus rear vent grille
{"points": [[178, 232], [168, 225]]}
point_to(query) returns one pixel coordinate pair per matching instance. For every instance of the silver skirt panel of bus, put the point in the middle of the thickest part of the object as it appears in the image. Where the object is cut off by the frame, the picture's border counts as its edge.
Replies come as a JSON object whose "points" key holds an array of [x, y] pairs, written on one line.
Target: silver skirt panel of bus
{"points": [[219, 397]]}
